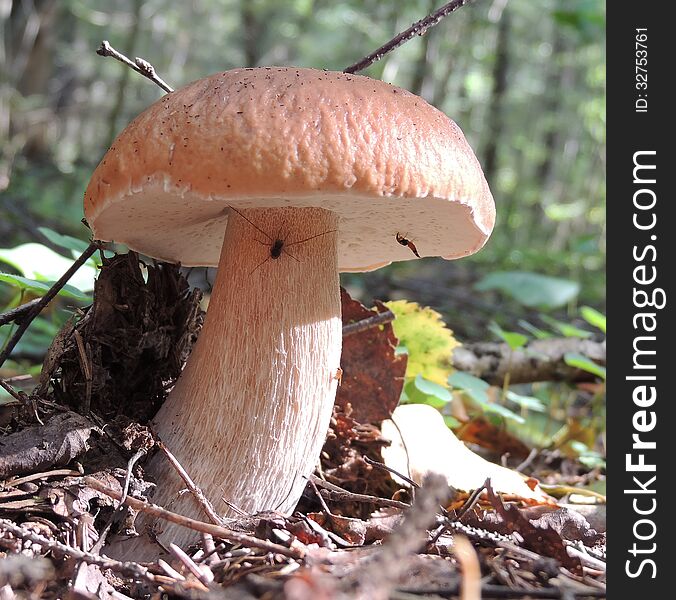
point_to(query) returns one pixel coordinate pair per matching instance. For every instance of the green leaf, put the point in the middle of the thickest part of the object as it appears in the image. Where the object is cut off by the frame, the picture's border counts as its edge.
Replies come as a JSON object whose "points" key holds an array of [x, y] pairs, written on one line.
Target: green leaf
{"points": [[64, 241], [566, 329], [503, 411], [41, 263], [513, 339], [536, 332], [528, 402], [428, 341], [594, 317], [42, 287], [531, 289], [474, 387], [477, 389], [580, 361], [424, 391], [451, 422]]}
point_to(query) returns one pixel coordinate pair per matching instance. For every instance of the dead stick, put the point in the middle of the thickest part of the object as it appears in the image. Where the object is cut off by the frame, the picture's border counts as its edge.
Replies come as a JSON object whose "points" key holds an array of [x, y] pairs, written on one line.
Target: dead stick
{"points": [[334, 492], [126, 568], [234, 537], [368, 323], [138, 64], [16, 394], [17, 313], [196, 492], [417, 29], [45, 300]]}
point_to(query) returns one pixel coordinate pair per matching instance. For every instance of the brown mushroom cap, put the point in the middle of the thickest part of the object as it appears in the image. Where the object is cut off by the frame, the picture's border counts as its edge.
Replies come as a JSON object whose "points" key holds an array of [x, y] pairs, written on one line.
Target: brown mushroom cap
{"points": [[380, 157]]}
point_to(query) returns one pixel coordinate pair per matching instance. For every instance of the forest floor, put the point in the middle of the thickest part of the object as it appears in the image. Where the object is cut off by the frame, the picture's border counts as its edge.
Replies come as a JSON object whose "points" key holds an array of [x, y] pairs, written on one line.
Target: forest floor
{"points": [[72, 478]]}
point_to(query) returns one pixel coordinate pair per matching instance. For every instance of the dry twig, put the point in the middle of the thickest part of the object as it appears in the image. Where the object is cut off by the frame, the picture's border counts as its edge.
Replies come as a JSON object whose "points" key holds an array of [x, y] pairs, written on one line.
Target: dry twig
{"points": [[368, 323], [45, 300], [231, 536], [138, 64], [417, 29], [202, 500]]}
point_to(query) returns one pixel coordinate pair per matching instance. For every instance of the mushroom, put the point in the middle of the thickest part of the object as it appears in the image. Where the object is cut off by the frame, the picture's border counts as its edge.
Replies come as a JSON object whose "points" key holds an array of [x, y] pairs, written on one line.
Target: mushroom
{"points": [[281, 177]]}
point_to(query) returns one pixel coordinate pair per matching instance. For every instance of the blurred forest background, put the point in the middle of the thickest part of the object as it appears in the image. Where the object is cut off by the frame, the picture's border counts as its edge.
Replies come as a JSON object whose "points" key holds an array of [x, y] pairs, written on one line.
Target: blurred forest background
{"points": [[525, 81]]}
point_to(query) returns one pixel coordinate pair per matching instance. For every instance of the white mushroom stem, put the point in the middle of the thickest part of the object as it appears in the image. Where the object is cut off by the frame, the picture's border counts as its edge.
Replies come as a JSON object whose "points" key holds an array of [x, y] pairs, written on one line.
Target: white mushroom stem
{"points": [[249, 414]]}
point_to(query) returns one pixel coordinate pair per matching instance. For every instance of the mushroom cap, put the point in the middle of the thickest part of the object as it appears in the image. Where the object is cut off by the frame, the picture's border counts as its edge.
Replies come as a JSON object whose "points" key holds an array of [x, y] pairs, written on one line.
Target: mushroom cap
{"points": [[382, 158]]}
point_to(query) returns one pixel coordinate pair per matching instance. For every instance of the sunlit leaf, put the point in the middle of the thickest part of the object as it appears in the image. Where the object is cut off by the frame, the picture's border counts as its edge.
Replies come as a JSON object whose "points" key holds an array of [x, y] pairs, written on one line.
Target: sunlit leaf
{"points": [[536, 332], [64, 241], [424, 391], [594, 317], [580, 361], [528, 402], [566, 329], [42, 287], [513, 339], [38, 262], [428, 341], [474, 387]]}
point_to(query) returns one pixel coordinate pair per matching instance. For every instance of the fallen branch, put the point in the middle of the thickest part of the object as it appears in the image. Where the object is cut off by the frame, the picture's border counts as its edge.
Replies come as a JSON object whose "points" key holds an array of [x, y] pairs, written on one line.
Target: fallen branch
{"points": [[417, 29], [138, 64], [45, 300], [234, 537], [540, 360]]}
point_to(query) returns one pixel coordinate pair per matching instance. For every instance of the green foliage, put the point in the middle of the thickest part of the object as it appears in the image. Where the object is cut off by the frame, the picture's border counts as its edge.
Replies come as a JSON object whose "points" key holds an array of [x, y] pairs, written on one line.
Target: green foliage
{"points": [[594, 317], [66, 242], [427, 340], [37, 262], [531, 289], [513, 339], [423, 391], [477, 390], [565, 329], [42, 287], [580, 361], [44, 266]]}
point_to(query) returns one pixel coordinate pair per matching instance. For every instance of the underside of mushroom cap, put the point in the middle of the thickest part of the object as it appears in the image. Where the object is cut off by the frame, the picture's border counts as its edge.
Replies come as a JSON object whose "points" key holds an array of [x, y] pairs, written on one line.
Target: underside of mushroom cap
{"points": [[381, 158]]}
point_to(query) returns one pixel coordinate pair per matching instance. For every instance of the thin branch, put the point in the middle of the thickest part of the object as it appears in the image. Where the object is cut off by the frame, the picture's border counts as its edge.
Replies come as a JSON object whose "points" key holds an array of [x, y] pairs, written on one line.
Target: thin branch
{"points": [[368, 323], [202, 500], [138, 64], [234, 537], [16, 314], [338, 494], [417, 29], [16, 394], [384, 467], [46, 299]]}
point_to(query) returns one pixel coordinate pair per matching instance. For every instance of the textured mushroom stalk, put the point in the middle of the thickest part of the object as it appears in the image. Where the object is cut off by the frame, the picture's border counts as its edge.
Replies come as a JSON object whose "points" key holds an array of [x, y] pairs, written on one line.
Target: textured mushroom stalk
{"points": [[249, 414]]}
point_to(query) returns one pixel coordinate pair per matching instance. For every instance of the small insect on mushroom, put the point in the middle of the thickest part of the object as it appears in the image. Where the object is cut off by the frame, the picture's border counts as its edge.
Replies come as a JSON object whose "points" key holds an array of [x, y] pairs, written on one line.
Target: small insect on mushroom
{"points": [[339, 376], [405, 242], [278, 244]]}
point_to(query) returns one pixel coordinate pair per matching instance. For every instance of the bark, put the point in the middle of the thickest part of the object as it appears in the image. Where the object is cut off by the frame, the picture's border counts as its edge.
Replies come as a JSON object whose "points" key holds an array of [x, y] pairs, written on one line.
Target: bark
{"points": [[495, 115], [540, 360]]}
